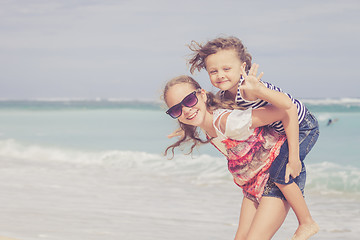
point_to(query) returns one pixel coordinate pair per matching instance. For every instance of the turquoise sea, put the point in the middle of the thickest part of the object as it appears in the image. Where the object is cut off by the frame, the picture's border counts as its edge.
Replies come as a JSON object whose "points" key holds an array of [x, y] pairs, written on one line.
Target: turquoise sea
{"points": [[94, 169]]}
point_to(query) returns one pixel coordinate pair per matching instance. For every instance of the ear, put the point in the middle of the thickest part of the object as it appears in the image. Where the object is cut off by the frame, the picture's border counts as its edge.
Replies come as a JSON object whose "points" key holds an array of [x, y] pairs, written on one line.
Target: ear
{"points": [[203, 94]]}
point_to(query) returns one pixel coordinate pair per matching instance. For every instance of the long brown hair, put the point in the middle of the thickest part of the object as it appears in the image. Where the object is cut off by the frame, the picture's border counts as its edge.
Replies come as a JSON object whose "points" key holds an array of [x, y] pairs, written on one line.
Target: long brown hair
{"points": [[201, 52], [192, 133]]}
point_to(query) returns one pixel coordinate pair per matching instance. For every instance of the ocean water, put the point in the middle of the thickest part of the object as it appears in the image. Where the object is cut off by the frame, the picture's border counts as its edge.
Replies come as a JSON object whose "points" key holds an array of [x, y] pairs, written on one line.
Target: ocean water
{"points": [[83, 169]]}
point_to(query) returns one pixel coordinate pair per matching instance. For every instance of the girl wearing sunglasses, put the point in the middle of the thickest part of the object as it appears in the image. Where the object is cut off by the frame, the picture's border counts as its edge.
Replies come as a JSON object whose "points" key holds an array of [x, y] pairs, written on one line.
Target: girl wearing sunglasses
{"points": [[249, 147]]}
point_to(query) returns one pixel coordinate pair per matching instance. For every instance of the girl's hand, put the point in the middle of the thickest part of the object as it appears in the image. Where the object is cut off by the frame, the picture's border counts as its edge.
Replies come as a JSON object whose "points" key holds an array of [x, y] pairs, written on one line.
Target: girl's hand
{"points": [[177, 133], [293, 168], [251, 84]]}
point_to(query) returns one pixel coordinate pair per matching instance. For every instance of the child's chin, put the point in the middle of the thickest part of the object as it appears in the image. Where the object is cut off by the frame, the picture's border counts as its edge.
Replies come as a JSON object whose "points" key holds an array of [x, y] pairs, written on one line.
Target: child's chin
{"points": [[225, 87]]}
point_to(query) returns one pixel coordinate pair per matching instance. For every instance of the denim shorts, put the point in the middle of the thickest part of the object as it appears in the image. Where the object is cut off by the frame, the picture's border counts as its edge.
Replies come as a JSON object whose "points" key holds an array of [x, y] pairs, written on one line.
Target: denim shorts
{"points": [[308, 135]]}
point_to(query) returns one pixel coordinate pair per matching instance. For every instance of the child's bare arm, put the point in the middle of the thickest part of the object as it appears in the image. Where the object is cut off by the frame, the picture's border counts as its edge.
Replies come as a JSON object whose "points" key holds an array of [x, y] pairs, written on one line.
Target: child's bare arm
{"points": [[291, 127], [269, 114]]}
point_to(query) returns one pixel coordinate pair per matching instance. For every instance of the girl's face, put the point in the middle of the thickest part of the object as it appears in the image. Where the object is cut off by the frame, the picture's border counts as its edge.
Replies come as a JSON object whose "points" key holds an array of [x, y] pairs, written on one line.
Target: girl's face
{"points": [[224, 69], [194, 115]]}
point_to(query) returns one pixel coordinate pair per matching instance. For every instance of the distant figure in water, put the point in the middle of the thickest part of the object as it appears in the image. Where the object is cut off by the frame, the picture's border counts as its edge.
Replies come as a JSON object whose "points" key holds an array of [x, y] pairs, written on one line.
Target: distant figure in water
{"points": [[330, 121]]}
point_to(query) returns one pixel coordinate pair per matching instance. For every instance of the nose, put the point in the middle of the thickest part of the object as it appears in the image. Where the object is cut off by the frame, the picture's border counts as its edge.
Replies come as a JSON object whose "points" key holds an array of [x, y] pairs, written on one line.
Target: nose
{"points": [[186, 110], [220, 75]]}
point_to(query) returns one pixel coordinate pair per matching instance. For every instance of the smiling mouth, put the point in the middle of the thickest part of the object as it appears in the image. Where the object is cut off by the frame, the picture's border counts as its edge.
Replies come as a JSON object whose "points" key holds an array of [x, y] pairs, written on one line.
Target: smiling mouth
{"points": [[193, 115], [220, 82]]}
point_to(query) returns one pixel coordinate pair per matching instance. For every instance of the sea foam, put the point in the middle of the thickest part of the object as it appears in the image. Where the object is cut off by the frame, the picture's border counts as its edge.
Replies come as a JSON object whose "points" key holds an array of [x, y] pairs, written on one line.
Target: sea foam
{"points": [[324, 177]]}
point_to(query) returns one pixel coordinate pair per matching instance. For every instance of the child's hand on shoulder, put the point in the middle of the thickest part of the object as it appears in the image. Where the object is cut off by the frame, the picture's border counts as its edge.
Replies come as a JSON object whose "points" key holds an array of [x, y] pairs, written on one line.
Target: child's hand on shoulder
{"points": [[251, 86]]}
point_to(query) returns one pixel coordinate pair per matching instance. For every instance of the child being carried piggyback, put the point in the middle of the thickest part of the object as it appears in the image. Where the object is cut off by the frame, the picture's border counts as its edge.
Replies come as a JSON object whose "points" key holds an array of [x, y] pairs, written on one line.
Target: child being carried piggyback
{"points": [[223, 58]]}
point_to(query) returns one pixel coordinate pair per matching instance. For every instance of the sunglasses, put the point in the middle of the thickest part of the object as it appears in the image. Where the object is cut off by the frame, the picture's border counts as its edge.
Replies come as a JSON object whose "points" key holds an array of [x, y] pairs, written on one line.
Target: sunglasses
{"points": [[188, 101]]}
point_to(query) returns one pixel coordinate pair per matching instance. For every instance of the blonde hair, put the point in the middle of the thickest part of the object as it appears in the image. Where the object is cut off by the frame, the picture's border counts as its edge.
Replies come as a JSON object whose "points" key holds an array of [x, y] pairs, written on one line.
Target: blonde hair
{"points": [[201, 52], [192, 133]]}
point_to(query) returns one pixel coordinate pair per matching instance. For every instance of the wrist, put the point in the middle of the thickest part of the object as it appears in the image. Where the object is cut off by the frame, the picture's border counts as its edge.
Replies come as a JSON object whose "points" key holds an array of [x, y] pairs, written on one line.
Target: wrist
{"points": [[261, 91], [294, 157]]}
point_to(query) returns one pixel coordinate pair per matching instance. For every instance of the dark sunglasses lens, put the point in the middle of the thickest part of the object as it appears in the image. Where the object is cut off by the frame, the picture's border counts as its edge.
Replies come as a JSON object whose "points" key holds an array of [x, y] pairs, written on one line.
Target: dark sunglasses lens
{"points": [[175, 111], [190, 100]]}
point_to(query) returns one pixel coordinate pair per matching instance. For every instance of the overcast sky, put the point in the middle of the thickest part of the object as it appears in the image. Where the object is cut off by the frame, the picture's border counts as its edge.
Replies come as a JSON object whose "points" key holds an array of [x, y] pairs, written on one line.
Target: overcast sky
{"points": [[127, 49]]}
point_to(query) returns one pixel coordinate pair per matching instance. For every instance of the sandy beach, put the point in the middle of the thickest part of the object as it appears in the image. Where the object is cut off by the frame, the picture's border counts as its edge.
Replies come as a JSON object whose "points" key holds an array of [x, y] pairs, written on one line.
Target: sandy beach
{"points": [[74, 201]]}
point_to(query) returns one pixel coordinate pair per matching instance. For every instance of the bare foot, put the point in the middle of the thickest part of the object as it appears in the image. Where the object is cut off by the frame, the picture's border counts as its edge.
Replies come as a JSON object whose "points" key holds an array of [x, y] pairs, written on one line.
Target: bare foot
{"points": [[305, 231]]}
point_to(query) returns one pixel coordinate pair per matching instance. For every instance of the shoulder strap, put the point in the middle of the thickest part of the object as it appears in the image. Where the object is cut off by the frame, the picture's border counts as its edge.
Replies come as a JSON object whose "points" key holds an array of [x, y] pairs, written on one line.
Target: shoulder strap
{"points": [[217, 120]]}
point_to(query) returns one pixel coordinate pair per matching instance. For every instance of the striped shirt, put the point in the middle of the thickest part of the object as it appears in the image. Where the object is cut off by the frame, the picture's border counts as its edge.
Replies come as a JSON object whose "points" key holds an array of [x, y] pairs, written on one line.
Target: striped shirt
{"points": [[278, 126]]}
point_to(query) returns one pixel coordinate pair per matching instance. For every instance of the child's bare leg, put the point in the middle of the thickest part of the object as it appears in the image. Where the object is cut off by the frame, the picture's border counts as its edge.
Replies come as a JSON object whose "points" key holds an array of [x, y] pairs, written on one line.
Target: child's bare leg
{"points": [[307, 226]]}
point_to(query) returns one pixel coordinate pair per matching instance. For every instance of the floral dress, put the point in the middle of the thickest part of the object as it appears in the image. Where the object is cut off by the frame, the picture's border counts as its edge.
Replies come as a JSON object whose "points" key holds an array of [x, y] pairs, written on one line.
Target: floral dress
{"points": [[249, 152]]}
